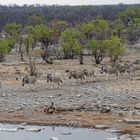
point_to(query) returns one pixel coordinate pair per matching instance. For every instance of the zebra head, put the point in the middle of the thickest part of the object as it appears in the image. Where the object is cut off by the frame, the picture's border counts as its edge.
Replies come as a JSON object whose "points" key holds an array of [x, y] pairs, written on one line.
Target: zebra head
{"points": [[24, 80], [72, 74]]}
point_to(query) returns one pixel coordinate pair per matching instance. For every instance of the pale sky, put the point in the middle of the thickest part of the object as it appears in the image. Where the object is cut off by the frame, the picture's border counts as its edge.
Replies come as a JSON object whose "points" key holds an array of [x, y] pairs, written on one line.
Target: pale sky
{"points": [[69, 2]]}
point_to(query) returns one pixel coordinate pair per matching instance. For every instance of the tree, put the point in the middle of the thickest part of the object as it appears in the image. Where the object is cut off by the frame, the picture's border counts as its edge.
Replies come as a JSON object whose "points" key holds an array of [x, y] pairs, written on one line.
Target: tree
{"points": [[101, 29], [5, 47], [130, 21], [94, 29], [28, 41], [70, 43], [86, 29], [46, 36], [35, 20], [114, 48], [116, 29], [58, 25], [98, 48], [34, 34], [43, 34], [97, 45], [13, 31]]}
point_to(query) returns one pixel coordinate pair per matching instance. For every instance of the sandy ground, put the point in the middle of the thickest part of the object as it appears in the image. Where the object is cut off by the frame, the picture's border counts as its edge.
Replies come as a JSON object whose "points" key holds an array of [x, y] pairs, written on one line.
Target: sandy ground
{"points": [[25, 104]]}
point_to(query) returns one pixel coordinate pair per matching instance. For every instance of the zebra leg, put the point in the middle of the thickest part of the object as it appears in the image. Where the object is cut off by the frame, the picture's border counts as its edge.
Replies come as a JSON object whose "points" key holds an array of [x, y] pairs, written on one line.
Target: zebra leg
{"points": [[107, 76], [32, 87], [58, 84]]}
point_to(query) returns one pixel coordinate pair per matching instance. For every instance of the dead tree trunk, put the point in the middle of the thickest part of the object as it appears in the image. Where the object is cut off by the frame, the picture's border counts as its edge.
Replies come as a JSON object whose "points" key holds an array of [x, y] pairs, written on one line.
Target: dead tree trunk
{"points": [[21, 54], [81, 59], [2, 57]]}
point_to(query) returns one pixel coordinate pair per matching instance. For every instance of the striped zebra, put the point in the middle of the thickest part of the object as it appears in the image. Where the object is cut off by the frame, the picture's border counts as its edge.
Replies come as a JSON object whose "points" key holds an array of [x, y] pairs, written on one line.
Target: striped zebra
{"points": [[109, 71]]}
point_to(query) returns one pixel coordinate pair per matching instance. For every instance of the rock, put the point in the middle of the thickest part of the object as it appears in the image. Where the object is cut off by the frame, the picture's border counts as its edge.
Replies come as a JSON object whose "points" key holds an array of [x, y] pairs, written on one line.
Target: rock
{"points": [[121, 113], [54, 138], [34, 129], [58, 95], [66, 133], [23, 124], [125, 108], [101, 127], [136, 138], [18, 108], [3, 95], [125, 137], [111, 139], [114, 131], [11, 111], [132, 98], [137, 107], [50, 96], [9, 129], [105, 109], [21, 128], [137, 62], [14, 94], [131, 121], [114, 105], [78, 95]]}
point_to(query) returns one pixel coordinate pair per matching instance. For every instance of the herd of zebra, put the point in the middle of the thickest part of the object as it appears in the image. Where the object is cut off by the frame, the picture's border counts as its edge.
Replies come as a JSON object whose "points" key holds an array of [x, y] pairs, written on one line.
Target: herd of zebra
{"points": [[58, 79], [85, 74]]}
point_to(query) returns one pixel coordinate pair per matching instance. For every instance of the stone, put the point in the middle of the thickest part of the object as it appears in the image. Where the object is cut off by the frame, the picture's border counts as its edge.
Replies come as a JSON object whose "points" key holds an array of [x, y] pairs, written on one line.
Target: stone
{"points": [[78, 95], [54, 138], [105, 109], [11, 111], [114, 131], [137, 62], [120, 113], [50, 96], [137, 107], [21, 128], [34, 129], [131, 121], [3, 95], [9, 129], [101, 127], [114, 105], [125, 108], [66, 133], [111, 139], [23, 124], [125, 137]]}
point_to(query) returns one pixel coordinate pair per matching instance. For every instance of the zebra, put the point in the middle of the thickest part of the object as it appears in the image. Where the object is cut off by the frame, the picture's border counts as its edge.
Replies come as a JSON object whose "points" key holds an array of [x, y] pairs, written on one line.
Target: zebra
{"points": [[109, 71], [88, 74], [54, 79], [126, 68], [77, 75], [29, 80]]}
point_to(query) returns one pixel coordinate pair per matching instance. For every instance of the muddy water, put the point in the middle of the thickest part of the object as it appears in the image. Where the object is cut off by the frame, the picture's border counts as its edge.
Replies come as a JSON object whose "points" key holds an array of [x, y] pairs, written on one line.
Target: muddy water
{"points": [[18, 132]]}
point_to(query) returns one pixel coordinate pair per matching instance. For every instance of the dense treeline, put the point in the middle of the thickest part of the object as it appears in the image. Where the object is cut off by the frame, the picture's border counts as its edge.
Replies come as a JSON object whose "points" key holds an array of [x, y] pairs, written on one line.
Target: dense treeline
{"points": [[71, 14], [68, 38]]}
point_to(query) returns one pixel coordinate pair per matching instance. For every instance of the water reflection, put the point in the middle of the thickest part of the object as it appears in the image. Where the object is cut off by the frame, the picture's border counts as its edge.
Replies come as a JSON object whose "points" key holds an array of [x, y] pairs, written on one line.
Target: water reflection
{"points": [[63, 133]]}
